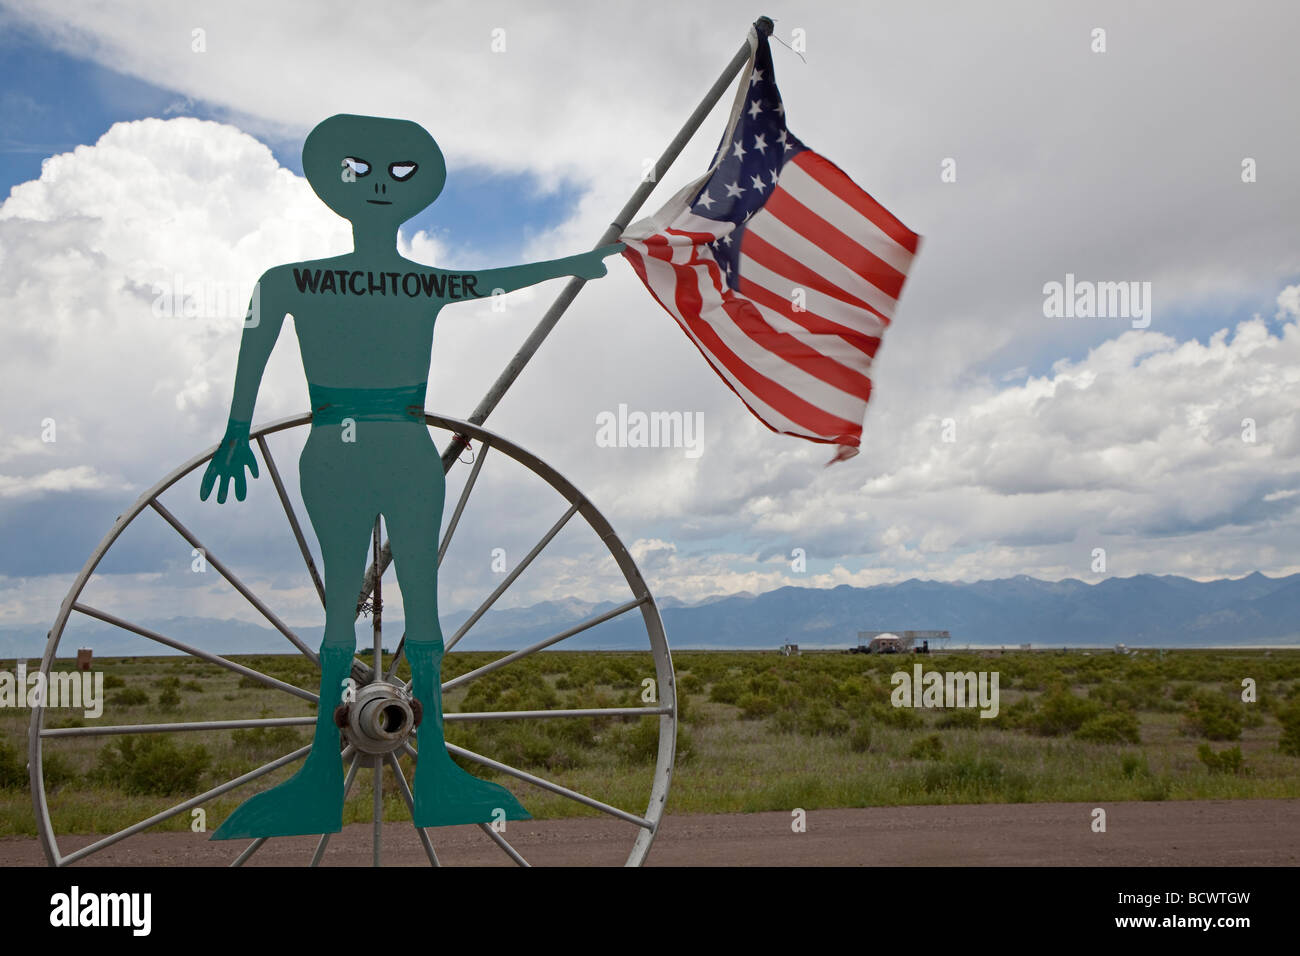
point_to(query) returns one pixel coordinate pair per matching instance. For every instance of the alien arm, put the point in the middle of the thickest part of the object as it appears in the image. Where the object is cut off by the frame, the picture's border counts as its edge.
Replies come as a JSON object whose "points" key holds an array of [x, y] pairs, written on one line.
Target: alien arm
{"points": [[262, 324], [585, 265]]}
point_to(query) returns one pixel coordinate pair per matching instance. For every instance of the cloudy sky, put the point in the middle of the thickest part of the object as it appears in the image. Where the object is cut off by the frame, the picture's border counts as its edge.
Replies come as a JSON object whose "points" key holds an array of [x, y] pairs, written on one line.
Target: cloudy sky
{"points": [[145, 147]]}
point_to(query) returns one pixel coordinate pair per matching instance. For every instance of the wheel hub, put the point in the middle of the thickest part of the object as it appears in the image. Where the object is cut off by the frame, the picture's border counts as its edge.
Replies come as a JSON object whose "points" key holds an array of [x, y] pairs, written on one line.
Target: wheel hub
{"points": [[380, 719]]}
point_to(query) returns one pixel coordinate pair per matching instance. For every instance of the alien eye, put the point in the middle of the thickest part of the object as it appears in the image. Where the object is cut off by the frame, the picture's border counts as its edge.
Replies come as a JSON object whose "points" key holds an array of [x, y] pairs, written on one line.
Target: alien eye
{"points": [[359, 167], [400, 171]]}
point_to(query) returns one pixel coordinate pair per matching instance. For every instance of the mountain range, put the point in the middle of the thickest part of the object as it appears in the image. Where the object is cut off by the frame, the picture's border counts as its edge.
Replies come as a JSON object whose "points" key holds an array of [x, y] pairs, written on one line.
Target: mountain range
{"points": [[1141, 611]]}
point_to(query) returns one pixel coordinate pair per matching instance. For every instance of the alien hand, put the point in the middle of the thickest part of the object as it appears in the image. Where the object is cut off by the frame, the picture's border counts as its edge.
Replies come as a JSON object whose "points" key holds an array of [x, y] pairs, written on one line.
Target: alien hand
{"points": [[232, 456], [590, 265]]}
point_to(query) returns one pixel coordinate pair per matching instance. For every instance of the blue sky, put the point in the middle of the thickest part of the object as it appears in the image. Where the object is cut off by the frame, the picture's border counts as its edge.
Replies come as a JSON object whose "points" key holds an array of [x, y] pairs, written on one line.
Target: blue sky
{"points": [[54, 102]]}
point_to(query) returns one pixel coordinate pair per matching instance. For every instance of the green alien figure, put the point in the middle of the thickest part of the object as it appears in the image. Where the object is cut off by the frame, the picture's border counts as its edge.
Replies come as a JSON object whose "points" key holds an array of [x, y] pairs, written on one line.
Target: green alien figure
{"points": [[365, 329]]}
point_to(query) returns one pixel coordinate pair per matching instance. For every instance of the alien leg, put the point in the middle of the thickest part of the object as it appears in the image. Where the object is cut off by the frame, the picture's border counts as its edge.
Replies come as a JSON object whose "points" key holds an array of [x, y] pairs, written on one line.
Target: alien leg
{"points": [[311, 801], [444, 793]]}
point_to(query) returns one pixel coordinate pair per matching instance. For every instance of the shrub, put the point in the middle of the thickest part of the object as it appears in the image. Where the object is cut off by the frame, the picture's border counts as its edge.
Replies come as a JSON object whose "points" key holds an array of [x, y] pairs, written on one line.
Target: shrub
{"points": [[903, 718], [927, 748], [113, 682], [130, 697], [267, 739], [1061, 712], [754, 707], [151, 764], [1114, 727], [1289, 743], [820, 719], [1212, 716], [1225, 761], [192, 685], [726, 691], [13, 767], [860, 738], [169, 699], [966, 775], [167, 683], [1133, 764], [960, 718]]}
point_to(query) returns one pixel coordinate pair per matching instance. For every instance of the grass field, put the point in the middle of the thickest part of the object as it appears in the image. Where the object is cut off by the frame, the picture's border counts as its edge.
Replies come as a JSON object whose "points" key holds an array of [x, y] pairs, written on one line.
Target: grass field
{"points": [[758, 732]]}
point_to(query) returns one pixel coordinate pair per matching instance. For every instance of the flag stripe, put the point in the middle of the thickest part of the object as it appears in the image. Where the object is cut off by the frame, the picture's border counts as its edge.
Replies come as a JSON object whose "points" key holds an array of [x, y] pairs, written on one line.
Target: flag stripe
{"points": [[833, 178], [796, 181], [861, 260]]}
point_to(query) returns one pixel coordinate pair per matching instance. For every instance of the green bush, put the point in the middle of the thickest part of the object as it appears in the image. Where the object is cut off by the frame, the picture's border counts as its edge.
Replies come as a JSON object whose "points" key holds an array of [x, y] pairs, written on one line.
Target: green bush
{"points": [[151, 764], [927, 748], [1212, 715], [1133, 764], [192, 685], [821, 719], [1061, 712], [754, 706], [113, 682], [169, 700], [1289, 718], [860, 738], [13, 767], [727, 691], [266, 740], [1225, 761], [130, 697], [1113, 727], [959, 718]]}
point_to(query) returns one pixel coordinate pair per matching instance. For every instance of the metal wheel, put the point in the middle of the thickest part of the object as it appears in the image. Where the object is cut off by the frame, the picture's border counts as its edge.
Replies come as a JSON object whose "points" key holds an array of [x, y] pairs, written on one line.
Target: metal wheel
{"points": [[377, 735]]}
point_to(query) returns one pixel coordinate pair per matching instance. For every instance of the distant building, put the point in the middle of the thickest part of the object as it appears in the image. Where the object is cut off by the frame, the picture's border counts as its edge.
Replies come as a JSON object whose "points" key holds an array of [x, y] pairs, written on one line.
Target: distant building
{"points": [[789, 650], [899, 642], [84, 656]]}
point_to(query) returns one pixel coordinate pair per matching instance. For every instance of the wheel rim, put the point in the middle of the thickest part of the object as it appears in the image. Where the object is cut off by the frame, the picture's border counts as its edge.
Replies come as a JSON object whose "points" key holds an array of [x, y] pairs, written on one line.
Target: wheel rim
{"points": [[666, 707]]}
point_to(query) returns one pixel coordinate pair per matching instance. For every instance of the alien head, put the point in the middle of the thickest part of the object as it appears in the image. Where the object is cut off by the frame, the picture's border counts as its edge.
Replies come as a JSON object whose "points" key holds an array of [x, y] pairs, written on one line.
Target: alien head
{"points": [[372, 171]]}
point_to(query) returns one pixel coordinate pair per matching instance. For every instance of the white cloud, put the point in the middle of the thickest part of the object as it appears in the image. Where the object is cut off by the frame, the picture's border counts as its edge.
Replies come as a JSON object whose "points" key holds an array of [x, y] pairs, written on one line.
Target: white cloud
{"points": [[1099, 167]]}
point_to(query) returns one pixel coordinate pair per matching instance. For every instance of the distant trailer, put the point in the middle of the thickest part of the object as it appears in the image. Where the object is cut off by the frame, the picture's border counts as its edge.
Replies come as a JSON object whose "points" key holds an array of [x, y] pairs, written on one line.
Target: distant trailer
{"points": [[789, 650], [898, 642]]}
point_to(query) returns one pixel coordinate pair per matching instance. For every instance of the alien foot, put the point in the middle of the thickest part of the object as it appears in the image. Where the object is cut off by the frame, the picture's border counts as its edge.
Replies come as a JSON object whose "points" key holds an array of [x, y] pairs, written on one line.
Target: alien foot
{"points": [[311, 801], [446, 795]]}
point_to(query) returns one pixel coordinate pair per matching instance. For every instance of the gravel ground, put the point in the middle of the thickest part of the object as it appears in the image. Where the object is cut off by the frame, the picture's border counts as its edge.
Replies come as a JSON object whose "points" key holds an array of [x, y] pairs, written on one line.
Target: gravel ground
{"points": [[1180, 833]]}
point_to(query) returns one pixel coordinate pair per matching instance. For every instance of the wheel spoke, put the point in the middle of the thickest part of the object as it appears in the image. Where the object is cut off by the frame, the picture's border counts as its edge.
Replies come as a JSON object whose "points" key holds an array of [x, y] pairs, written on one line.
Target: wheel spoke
{"points": [[293, 518], [379, 810], [230, 576], [194, 651], [182, 807], [510, 578], [500, 841], [376, 617], [551, 786], [324, 840], [405, 789], [177, 727], [541, 645], [460, 503], [252, 848], [535, 714]]}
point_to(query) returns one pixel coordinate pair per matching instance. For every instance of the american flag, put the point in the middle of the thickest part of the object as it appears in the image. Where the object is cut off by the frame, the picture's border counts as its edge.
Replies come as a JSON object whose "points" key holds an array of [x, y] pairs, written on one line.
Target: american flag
{"points": [[781, 270]]}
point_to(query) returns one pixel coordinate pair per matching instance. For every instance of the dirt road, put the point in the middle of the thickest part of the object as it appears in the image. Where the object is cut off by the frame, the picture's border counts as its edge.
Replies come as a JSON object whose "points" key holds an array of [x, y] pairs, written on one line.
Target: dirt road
{"points": [[1182, 833]]}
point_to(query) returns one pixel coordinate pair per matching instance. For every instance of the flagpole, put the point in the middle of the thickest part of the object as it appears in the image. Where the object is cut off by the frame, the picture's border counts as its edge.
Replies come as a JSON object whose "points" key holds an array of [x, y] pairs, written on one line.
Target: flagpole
{"points": [[763, 25]]}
